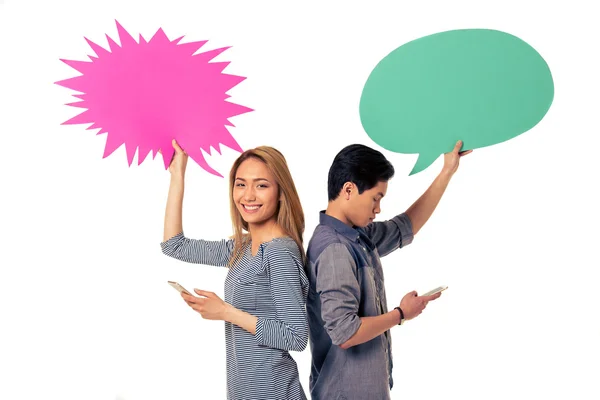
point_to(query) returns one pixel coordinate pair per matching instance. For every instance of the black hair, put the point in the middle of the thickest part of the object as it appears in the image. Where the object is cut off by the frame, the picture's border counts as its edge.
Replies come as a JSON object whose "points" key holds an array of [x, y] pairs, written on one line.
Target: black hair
{"points": [[359, 164]]}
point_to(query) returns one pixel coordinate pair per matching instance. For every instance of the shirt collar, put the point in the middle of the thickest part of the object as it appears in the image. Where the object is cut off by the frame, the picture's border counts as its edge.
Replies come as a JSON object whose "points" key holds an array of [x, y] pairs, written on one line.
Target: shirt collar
{"points": [[349, 232]]}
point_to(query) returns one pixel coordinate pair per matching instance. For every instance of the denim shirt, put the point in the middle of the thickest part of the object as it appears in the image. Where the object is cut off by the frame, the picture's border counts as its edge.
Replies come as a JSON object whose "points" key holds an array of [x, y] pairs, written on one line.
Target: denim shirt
{"points": [[346, 283]]}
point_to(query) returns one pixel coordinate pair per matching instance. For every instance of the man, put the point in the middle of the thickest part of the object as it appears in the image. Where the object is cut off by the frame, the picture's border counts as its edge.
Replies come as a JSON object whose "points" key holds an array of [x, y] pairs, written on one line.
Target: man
{"points": [[347, 308]]}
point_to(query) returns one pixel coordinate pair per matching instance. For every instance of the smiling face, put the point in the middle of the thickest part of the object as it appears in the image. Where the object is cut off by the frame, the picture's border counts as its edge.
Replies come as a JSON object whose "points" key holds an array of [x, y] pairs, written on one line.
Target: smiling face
{"points": [[361, 209], [255, 192]]}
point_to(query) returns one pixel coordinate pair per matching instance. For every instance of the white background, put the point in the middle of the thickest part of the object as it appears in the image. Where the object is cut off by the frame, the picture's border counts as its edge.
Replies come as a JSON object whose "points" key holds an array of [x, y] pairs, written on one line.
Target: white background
{"points": [[86, 312]]}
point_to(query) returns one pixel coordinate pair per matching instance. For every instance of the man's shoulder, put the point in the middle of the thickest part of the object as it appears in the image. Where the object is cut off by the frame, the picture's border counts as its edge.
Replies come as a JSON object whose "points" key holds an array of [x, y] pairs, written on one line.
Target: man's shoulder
{"points": [[323, 237]]}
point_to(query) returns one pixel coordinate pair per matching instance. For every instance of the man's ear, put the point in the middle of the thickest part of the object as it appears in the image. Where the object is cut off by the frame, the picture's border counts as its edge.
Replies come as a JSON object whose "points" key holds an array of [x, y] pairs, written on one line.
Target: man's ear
{"points": [[347, 190]]}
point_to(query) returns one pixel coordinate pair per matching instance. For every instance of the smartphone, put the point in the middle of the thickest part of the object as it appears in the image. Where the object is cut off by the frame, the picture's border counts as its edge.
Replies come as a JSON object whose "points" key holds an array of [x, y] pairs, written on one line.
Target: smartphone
{"points": [[436, 290], [179, 288]]}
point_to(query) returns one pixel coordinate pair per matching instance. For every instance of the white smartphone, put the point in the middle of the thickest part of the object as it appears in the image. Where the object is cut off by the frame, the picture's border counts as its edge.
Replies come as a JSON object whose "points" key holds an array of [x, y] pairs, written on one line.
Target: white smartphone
{"points": [[179, 288], [436, 290]]}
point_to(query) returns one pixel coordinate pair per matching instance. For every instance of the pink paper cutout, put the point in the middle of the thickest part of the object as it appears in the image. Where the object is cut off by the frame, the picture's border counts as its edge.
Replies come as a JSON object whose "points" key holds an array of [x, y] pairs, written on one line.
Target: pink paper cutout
{"points": [[146, 94]]}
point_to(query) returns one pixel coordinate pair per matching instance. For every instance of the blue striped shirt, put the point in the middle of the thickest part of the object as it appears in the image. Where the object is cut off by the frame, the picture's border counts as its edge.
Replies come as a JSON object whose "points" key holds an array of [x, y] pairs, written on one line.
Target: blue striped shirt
{"points": [[273, 286]]}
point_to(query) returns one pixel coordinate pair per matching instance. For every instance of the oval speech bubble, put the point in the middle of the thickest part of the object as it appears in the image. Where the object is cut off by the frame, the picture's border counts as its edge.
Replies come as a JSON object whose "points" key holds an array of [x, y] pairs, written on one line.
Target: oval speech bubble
{"points": [[480, 86]]}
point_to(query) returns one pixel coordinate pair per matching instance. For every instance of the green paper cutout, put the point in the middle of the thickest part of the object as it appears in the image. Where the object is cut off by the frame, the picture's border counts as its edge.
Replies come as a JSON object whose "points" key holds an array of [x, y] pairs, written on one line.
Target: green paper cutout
{"points": [[476, 85]]}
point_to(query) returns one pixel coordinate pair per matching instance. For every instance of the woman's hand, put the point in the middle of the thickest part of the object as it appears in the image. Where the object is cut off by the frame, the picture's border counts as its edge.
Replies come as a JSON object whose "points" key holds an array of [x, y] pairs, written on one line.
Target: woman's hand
{"points": [[210, 306], [178, 162]]}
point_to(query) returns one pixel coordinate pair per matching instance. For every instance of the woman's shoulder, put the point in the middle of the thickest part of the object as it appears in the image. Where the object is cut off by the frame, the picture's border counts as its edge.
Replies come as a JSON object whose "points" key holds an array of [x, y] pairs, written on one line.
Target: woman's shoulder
{"points": [[281, 245]]}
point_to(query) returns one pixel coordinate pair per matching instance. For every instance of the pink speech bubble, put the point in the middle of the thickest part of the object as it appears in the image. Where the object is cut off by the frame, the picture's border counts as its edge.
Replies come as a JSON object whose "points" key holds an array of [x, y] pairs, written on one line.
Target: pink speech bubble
{"points": [[146, 94]]}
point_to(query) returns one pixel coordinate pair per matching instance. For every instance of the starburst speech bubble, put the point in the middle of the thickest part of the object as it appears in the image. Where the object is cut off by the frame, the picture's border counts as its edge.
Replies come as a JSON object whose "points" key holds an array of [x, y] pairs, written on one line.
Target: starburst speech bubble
{"points": [[146, 94]]}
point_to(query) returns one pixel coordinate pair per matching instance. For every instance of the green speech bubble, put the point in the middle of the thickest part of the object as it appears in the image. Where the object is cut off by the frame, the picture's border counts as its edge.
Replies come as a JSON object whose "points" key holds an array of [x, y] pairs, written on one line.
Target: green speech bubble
{"points": [[476, 85]]}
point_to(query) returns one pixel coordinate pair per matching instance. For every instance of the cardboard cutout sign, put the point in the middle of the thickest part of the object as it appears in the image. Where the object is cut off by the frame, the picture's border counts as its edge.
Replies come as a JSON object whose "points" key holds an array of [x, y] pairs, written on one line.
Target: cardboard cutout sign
{"points": [[144, 94], [476, 85]]}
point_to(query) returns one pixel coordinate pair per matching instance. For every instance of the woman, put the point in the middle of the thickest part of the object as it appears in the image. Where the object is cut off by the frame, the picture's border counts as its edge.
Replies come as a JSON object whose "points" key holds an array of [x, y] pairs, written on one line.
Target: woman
{"points": [[266, 285]]}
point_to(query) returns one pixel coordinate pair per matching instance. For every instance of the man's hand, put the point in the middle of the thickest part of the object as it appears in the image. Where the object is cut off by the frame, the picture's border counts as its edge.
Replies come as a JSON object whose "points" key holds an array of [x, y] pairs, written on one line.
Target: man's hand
{"points": [[452, 159], [412, 305]]}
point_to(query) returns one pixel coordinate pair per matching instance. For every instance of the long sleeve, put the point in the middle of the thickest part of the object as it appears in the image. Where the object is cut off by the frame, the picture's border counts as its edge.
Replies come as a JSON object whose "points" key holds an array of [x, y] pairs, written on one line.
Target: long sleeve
{"points": [[391, 234], [198, 251], [289, 289], [339, 290]]}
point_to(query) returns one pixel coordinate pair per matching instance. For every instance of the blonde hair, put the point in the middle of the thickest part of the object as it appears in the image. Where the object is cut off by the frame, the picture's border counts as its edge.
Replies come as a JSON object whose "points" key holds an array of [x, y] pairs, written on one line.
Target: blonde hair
{"points": [[289, 214]]}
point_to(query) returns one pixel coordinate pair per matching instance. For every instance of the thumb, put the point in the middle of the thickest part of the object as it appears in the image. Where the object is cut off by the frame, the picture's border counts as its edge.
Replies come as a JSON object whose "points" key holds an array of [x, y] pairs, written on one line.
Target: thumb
{"points": [[176, 146], [204, 293], [458, 146]]}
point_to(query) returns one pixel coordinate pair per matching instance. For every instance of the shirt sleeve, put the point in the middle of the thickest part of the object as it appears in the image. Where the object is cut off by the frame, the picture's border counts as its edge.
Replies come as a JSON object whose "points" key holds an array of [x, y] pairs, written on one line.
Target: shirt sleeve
{"points": [[289, 288], [391, 234], [339, 290], [198, 251]]}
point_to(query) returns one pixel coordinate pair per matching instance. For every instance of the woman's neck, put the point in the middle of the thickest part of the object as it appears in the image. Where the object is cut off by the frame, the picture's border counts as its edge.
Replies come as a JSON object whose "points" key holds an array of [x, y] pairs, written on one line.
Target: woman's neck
{"points": [[265, 232]]}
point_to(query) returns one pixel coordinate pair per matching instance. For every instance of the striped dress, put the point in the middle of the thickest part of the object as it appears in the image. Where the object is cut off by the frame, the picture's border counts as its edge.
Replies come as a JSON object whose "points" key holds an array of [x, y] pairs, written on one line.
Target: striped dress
{"points": [[272, 285]]}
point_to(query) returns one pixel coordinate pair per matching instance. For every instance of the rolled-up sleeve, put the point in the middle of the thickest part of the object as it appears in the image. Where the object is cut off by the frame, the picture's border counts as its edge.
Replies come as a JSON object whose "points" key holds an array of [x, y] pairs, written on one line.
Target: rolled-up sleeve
{"points": [[391, 234], [339, 290]]}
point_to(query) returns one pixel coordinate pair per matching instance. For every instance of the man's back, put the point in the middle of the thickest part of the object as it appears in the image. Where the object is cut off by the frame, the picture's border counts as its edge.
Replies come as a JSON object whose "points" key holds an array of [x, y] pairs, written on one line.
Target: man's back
{"points": [[346, 283]]}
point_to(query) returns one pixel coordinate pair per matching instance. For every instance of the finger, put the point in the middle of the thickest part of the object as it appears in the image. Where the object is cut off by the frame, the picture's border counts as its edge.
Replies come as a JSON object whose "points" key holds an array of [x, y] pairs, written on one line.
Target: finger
{"points": [[205, 293], [464, 153], [197, 308], [189, 303], [432, 297], [189, 298], [176, 146], [458, 146]]}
